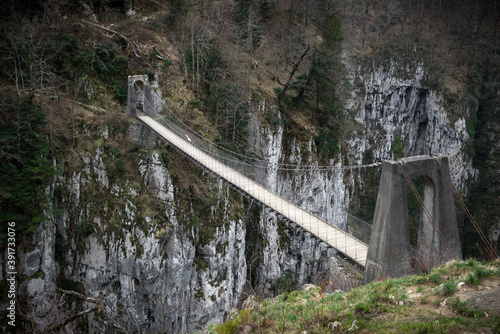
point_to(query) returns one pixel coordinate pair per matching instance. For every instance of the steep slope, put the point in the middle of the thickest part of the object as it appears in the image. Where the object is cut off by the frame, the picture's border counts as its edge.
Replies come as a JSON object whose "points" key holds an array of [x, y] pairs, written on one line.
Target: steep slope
{"points": [[460, 297]]}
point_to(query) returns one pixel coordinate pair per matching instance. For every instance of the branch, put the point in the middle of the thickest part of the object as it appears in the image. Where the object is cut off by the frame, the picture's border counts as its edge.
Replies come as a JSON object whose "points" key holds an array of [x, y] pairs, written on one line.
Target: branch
{"points": [[82, 297], [100, 307], [89, 107], [139, 56], [121, 36], [158, 53], [108, 30], [57, 327]]}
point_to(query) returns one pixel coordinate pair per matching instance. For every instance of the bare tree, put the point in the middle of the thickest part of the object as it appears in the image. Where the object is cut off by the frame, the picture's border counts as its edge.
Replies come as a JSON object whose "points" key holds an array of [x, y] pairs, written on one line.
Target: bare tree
{"points": [[28, 54], [52, 315]]}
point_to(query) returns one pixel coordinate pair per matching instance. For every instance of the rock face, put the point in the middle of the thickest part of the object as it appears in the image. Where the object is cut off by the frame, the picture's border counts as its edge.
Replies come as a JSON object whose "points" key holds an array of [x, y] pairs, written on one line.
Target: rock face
{"points": [[139, 246], [143, 246], [149, 271], [393, 104], [287, 252], [488, 301]]}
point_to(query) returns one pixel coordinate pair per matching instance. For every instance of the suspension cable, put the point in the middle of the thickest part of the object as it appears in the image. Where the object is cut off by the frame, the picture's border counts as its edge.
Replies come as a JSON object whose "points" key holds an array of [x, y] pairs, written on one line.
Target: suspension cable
{"points": [[210, 142], [493, 252], [287, 167], [282, 167], [426, 211]]}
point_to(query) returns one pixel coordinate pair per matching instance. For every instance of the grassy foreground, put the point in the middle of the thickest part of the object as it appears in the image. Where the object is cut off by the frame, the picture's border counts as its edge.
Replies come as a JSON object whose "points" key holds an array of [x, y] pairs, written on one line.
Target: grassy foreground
{"points": [[417, 304]]}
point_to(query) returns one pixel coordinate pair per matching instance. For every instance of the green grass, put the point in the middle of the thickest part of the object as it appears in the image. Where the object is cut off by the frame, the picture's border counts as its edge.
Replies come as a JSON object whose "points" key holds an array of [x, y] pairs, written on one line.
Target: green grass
{"points": [[463, 309], [379, 307]]}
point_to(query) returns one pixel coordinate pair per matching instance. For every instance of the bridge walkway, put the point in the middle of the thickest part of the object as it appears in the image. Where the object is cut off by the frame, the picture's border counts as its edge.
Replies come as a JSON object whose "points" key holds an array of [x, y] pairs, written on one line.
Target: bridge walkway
{"points": [[336, 238]]}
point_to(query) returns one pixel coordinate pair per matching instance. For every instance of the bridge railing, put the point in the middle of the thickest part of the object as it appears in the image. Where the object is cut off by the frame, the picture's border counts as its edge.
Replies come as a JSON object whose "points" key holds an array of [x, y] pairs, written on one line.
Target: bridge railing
{"points": [[358, 228], [250, 170]]}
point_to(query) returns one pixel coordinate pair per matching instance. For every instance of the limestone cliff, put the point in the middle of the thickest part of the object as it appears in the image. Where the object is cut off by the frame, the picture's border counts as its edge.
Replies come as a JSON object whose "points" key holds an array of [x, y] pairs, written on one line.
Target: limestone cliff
{"points": [[158, 259], [394, 102]]}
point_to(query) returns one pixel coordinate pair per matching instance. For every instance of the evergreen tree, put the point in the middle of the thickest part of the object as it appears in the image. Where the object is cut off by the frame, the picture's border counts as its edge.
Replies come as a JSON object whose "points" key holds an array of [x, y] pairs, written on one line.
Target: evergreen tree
{"points": [[25, 168]]}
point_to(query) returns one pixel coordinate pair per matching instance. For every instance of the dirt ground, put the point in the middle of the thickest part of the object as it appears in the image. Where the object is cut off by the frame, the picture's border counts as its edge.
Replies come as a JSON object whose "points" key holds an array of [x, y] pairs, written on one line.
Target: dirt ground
{"points": [[482, 297]]}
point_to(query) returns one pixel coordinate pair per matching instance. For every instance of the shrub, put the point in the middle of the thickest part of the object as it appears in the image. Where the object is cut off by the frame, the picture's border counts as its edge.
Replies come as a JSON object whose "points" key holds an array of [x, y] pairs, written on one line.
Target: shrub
{"points": [[84, 229], [167, 62], [236, 321], [362, 307], [277, 121], [435, 278], [285, 283], [461, 307], [449, 288], [327, 142], [397, 146], [482, 272], [150, 74], [473, 279], [195, 103]]}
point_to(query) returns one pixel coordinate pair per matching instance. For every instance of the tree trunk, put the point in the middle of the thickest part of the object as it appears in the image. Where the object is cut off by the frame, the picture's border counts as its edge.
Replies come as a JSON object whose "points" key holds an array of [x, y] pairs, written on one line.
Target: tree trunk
{"points": [[290, 77]]}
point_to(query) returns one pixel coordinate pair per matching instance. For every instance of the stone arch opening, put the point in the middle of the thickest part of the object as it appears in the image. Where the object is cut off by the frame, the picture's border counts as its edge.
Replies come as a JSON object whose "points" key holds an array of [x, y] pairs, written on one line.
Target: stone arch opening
{"points": [[139, 97], [414, 210], [139, 93], [421, 230]]}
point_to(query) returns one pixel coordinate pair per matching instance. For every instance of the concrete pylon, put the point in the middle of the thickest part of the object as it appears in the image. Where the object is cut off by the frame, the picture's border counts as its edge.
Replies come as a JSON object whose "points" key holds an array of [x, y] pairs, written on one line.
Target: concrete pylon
{"points": [[389, 252], [139, 98]]}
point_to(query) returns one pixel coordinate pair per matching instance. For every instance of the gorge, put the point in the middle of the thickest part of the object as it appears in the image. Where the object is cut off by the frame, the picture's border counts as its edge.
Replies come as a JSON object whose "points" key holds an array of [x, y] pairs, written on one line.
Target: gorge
{"points": [[158, 244]]}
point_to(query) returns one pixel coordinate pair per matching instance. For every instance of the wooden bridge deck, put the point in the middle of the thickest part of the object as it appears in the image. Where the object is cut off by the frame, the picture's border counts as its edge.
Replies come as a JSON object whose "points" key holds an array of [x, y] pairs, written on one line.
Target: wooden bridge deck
{"points": [[336, 238]]}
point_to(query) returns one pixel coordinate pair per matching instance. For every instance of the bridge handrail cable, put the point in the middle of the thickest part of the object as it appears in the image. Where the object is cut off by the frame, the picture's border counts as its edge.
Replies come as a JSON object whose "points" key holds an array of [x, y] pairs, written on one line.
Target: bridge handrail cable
{"points": [[341, 240], [288, 166], [355, 225]]}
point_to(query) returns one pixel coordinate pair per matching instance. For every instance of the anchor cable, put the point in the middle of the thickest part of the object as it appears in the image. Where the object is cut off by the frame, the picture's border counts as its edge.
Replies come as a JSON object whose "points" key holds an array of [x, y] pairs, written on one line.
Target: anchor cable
{"points": [[493, 253], [426, 211]]}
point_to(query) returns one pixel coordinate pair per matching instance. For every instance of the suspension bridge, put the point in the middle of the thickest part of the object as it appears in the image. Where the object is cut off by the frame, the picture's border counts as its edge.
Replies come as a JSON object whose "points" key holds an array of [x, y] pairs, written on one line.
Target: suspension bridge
{"points": [[338, 239], [388, 253]]}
